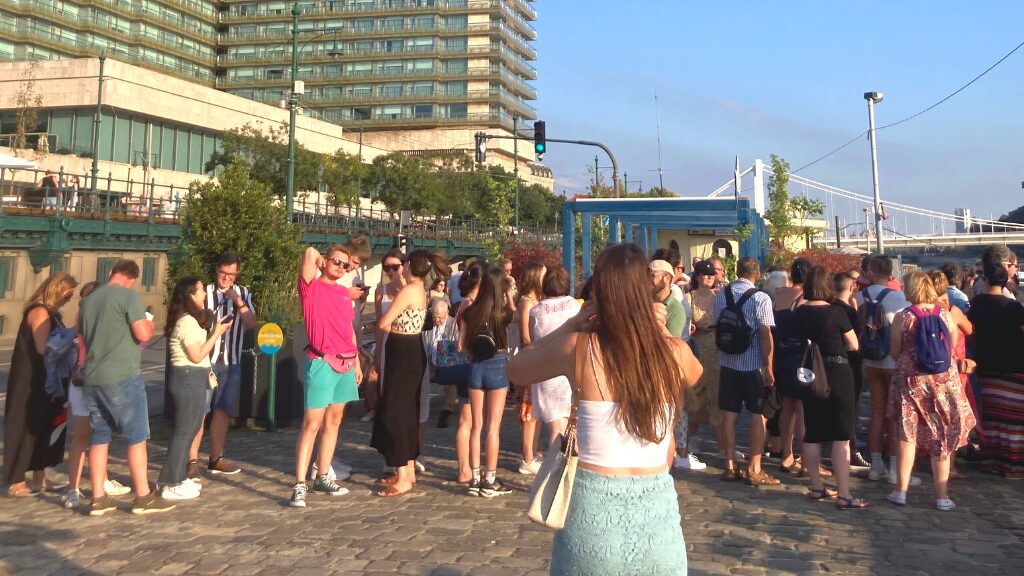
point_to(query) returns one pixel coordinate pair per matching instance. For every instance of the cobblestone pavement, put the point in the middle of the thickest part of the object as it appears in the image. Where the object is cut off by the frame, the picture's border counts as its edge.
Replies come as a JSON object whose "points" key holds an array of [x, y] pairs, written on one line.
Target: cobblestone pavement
{"points": [[242, 524]]}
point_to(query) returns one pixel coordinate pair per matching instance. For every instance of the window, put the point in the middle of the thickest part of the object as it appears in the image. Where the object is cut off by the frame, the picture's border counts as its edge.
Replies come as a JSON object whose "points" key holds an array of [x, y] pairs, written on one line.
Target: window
{"points": [[6, 275], [457, 111], [423, 88], [423, 22], [423, 110], [60, 265], [392, 24], [391, 90], [361, 113], [390, 112], [103, 268], [149, 273], [423, 65]]}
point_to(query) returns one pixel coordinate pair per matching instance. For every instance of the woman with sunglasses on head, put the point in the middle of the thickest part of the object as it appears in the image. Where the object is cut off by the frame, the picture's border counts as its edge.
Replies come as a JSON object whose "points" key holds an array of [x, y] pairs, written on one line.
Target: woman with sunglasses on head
{"points": [[396, 427], [627, 373], [391, 283], [30, 409]]}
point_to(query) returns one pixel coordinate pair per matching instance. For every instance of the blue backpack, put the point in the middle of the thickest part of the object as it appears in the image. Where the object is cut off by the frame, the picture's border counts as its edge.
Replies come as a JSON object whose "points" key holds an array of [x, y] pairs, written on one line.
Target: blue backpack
{"points": [[873, 328], [933, 341]]}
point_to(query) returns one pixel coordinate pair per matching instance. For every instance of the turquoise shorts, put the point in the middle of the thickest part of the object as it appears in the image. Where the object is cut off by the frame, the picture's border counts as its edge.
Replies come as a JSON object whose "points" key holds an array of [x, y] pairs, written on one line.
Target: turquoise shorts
{"points": [[324, 386]]}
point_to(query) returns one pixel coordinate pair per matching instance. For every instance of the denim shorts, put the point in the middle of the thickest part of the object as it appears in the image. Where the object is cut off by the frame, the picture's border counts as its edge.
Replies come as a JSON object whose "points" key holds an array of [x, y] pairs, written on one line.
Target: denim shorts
{"points": [[120, 407], [489, 374], [229, 380]]}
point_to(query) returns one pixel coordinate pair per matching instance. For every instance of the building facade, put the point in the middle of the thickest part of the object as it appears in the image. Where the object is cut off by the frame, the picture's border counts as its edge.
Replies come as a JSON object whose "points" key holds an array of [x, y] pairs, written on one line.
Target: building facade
{"points": [[408, 75]]}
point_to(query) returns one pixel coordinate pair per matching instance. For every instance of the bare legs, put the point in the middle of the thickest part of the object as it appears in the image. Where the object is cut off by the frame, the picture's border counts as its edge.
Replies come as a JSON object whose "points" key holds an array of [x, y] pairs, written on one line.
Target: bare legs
{"points": [[314, 419], [462, 435], [811, 453], [137, 461], [791, 424], [727, 438], [492, 403]]}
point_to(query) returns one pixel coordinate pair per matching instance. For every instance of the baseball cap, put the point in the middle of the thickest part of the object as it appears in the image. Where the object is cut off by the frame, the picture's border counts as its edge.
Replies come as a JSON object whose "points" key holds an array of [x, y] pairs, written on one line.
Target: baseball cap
{"points": [[661, 266], [704, 267]]}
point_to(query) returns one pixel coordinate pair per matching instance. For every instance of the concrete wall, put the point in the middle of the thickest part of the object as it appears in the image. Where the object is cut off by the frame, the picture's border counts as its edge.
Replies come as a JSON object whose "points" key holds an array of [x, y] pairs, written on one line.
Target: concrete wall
{"points": [[693, 245]]}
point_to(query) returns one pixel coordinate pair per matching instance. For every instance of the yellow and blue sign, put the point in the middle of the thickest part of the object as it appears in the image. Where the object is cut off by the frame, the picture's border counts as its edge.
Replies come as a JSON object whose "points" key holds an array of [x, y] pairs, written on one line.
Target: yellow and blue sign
{"points": [[270, 338]]}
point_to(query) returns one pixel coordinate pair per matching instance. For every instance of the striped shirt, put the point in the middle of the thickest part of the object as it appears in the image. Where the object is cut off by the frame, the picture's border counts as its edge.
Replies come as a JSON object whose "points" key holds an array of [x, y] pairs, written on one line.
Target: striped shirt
{"points": [[758, 312], [228, 350]]}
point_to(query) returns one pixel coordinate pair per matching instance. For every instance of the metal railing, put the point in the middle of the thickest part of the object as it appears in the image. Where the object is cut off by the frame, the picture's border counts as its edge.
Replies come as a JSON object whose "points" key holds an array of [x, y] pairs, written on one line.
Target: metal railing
{"points": [[63, 194]]}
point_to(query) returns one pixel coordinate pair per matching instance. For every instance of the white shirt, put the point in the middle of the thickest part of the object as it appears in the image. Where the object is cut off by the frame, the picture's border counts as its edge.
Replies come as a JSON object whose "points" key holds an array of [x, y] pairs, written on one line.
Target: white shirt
{"points": [[453, 288]]}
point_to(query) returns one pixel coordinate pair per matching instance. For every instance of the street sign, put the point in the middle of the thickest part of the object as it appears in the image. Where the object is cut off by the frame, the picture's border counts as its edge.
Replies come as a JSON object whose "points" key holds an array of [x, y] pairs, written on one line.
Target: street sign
{"points": [[270, 338]]}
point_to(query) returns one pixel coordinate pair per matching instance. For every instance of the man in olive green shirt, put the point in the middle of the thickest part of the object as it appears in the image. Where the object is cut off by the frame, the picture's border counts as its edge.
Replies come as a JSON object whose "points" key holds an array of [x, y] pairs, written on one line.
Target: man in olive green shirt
{"points": [[662, 275], [113, 324]]}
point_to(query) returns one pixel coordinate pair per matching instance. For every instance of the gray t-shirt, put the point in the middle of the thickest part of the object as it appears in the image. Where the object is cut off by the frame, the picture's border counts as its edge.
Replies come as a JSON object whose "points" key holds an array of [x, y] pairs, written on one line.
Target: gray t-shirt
{"points": [[893, 302], [112, 353]]}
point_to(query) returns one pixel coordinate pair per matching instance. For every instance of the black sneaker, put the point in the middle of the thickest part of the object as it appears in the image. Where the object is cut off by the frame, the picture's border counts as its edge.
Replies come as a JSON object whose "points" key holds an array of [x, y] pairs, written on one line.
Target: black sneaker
{"points": [[858, 463], [151, 504], [442, 418], [492, 489], [474, 488], [102, 505]]}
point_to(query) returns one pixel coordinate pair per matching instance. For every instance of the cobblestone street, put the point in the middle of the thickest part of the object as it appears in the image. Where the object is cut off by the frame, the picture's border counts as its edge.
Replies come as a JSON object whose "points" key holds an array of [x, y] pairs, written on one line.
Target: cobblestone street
{"points": [[242, 524]]}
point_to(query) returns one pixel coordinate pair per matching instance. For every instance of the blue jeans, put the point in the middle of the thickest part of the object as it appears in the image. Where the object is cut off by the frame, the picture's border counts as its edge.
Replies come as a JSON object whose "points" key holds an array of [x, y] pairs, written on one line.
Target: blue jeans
{"points": [[188, 388], [229, 380], [489, 374], [120, 407]]}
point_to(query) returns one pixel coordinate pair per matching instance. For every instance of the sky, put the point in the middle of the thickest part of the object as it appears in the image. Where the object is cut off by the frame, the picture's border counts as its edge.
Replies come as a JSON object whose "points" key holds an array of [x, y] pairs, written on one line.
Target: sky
{"points": [[787, 78]]}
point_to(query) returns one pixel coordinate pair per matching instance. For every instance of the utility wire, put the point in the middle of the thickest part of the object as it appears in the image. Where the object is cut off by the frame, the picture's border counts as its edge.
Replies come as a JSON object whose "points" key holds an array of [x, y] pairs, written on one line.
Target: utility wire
{"points": [[911, 117]]}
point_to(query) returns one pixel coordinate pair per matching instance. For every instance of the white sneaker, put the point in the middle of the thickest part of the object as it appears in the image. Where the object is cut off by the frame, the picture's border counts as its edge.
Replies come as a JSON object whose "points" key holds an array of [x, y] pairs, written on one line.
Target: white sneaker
{"points": [[876, 474], [689, 463], [894, 478], [180, 491], [73, 498], [898, 498], [193, 484], [420, 467], [333, 474], [529, 467], [115, 488], [944, 504]]}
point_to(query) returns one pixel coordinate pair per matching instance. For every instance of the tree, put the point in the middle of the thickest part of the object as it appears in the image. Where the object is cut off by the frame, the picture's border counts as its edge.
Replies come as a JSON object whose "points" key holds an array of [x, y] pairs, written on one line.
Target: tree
{"points": [[655, 192], [787, 216], [241, 214], [26, 114]]}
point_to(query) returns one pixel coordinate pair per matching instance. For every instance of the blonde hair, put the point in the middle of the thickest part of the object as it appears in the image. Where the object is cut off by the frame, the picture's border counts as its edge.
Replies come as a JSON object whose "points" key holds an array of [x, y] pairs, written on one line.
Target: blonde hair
{"points": [[51, 292], [920, 289]]}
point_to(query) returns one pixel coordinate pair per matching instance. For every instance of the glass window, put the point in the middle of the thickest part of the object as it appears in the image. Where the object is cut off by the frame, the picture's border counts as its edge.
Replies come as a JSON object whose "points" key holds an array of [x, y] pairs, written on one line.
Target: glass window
{"points": [[457, 111], [458, 88], [62, 125], [392, 24], [195, 153], [391, 90], [103, 268], [423, 64], [423, 22], [423, 110], [83, 134], [181, 151], [423, 88], [391, 112], [363, 25], [166, 146], [209, 147], [6, 274], [149, 273], [122, 140]]}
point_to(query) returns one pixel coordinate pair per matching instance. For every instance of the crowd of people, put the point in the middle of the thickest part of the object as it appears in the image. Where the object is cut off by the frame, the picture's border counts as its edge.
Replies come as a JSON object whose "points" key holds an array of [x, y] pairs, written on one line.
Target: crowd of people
{"points": [[640, 363]]}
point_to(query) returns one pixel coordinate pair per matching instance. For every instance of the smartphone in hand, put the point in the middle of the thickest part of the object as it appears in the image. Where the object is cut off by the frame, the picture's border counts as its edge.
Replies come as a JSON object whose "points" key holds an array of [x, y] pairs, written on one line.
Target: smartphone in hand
{"points": [[227, 319]]}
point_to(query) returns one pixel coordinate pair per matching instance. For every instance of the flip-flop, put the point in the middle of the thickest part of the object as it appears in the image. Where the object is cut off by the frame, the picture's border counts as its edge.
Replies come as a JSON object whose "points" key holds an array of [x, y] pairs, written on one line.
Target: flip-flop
{"points": [[23, 492], [820, 494], [392, 492], [391, 479]]}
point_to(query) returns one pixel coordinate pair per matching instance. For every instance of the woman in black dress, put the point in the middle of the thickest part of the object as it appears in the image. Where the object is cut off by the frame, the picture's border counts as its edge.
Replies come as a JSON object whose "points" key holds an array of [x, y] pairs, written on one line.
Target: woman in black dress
{"points": [[31, 413], [396, 425], [829, 419]]}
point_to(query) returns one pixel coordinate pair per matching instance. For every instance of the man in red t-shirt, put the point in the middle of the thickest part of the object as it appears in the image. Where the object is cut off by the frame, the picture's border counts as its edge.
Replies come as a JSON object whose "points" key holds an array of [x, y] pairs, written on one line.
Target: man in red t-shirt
{"points": [[332, 365]]}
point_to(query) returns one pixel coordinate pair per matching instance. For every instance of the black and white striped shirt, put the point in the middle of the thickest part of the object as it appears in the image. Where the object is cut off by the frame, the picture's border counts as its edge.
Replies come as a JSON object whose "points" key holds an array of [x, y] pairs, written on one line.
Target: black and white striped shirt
{"points": [[228, 350]]}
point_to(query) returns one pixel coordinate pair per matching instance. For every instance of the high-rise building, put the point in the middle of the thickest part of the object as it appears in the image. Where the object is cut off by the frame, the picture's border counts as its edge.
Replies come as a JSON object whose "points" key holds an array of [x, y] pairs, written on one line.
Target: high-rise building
{"points": [[396, 65]]}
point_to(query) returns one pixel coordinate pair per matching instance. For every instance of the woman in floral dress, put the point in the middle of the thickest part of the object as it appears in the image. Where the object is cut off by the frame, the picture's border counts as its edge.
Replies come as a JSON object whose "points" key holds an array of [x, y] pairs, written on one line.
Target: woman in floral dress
{"points": [[929, 411]]}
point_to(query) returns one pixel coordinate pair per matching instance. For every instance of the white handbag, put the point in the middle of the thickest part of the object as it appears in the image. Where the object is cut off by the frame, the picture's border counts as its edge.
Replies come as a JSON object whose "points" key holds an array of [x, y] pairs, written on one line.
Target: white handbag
{"points": [[552, 488]]}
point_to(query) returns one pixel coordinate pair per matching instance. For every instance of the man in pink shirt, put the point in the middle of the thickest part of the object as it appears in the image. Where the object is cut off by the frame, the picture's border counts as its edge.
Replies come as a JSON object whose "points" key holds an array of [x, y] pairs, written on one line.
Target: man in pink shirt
{"points": [[332, 365]]}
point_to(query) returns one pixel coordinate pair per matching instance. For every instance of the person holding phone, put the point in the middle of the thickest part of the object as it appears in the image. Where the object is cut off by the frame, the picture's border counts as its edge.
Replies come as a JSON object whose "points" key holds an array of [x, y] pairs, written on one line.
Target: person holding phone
{"points": [[229, 303]]}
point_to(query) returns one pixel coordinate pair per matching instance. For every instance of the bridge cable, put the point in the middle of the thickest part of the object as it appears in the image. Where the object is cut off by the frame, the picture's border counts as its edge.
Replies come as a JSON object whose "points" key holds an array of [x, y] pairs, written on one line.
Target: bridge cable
{"points": [[911, 117]]}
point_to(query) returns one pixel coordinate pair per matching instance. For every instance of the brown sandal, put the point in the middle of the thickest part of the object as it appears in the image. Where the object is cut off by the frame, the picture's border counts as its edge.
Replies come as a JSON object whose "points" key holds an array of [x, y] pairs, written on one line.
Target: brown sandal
{"points": [[392, 492], [733, 475], [23, 492]]}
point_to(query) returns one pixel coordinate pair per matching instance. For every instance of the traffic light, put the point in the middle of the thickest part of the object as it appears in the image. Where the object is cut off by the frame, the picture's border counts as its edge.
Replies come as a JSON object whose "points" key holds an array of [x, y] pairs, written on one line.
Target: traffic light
{"points": [[540, 139], [481, 147]]}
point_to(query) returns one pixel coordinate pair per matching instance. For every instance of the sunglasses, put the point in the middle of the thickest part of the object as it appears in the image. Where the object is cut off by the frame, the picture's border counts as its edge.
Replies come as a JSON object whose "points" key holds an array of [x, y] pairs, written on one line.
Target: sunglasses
{"points": [[339, 262], [392, 267]]}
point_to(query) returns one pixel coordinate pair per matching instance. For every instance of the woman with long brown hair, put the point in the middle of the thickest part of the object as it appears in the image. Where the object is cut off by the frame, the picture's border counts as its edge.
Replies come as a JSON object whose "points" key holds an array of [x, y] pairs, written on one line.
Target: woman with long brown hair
{"points": [[627, 375], [189, 344], [396, 427], [30, 411], [531, 291], [482, 336]]}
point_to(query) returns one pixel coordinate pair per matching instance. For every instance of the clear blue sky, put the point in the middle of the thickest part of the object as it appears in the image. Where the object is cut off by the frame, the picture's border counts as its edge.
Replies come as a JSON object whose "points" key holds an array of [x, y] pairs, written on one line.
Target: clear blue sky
{"points": [[755, 78]]}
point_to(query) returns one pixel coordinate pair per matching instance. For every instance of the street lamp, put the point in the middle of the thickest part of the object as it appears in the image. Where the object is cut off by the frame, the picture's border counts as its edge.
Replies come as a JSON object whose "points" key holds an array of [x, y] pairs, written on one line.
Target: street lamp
{"points": [[296, 88], [874, 98]]}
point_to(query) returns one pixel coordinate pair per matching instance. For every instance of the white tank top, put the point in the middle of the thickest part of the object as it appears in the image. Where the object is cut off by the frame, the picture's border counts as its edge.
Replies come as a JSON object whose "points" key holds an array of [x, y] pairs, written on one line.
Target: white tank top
{"points": [[550, 313], [602, 441]]}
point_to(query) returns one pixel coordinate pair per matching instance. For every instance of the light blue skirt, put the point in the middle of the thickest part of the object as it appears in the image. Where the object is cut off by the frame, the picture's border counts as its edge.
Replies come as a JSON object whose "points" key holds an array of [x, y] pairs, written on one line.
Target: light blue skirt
{"points": [[620, 525]]}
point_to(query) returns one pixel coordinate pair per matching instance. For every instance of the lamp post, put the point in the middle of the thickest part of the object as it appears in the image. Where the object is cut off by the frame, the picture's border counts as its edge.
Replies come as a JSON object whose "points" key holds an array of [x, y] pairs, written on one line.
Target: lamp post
{"points": [[873, 98], [296, 88]]}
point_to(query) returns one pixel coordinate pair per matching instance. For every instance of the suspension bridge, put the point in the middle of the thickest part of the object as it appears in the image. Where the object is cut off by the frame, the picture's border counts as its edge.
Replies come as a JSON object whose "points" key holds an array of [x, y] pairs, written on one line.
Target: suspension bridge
{"points": [[849, 216]]}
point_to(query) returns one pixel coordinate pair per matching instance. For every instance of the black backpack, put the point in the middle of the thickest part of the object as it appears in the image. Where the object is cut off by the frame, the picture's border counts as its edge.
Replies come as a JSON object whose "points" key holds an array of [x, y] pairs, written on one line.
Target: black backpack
{"points": [[483, 346], [732, 332]]}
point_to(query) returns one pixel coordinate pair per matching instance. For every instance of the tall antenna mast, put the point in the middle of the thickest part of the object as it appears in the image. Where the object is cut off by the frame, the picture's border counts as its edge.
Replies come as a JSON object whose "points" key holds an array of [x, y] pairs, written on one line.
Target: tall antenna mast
{"points": [[657, 117]]}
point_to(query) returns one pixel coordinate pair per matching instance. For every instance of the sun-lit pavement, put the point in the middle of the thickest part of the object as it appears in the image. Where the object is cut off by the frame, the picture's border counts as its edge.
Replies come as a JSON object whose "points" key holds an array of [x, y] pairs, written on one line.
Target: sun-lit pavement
{"points": [[242, 524]]}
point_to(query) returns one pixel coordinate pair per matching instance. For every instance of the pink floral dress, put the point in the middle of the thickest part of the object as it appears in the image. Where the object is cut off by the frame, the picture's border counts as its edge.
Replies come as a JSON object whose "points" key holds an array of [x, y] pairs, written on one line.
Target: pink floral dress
{"points": [[930, 410]]}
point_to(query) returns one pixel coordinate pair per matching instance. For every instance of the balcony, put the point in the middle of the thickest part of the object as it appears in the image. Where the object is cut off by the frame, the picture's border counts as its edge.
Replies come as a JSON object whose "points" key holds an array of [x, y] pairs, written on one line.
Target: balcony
{"points": [[321, 54], [102, 24], [389, 7], [265, 79]]}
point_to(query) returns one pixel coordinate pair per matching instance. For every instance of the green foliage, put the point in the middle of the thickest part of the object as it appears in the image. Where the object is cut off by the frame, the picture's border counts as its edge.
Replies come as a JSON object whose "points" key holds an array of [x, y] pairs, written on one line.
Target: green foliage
{"points": [[27, 104], [654, 192], [241, 214], [786, 216]]}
